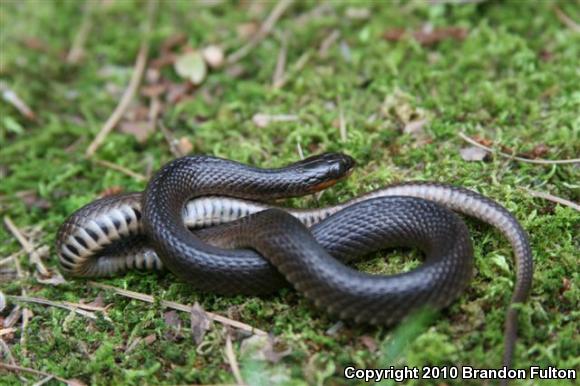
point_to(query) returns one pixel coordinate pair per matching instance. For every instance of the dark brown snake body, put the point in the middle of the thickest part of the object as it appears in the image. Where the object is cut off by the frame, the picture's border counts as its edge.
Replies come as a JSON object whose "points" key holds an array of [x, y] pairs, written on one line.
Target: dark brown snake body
{"points": [[153, 230]]}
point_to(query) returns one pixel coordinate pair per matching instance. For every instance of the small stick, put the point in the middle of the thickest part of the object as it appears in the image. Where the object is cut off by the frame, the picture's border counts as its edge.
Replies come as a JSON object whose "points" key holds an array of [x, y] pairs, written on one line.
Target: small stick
{"points": [[506, 155], [341, 122], [567, 20], [170, 139], [328, 42], [281, 63], [33, 371], [131, 89], [64, 305], [299, 149], [233, 361], [300, 63], [550, 197], [119, 168], [6, 349], [44, 380], [178, 307], [76, 51], [34, 256], [12, 98], [264, 31]]}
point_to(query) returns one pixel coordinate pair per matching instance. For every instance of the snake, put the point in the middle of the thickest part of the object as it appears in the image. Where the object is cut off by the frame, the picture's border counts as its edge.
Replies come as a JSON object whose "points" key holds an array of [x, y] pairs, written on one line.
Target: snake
{"points": [[212, 222]]}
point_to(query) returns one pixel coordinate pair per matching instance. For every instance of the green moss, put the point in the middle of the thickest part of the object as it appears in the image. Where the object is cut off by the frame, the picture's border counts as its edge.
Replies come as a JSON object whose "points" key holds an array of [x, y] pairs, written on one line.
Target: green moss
{"points": [[513, 79]]}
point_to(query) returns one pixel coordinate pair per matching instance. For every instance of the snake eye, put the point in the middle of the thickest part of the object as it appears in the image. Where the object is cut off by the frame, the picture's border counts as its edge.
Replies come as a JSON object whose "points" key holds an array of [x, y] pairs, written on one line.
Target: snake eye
{"points": [[326, 169]]}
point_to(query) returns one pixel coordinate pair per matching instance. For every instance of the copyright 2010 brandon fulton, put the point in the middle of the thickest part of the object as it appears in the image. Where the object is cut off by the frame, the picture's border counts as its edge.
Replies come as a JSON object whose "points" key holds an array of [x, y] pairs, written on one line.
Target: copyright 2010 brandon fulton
{"points": [[456, 372]]}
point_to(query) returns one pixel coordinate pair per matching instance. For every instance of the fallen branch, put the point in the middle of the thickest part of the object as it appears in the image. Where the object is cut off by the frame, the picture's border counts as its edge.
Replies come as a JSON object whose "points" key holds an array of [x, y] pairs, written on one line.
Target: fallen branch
{"points": [[506, 155], [550, 197], [65, 305], [131, 89], [178, 307], [264, 31], [37, 372], [119, 168]]}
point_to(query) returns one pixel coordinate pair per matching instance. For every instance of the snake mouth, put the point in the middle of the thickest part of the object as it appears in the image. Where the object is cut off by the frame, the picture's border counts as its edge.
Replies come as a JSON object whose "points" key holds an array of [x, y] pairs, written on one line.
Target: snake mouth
{"points": [[329, 182]]}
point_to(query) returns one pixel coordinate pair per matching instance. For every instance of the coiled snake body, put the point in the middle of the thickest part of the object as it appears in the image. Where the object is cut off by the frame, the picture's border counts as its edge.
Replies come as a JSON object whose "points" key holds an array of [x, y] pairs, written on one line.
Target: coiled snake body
{"points": [[258, 248]]}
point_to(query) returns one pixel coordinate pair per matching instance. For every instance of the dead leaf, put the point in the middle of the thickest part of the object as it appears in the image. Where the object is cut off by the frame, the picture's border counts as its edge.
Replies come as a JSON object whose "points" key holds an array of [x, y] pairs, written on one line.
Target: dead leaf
{"points": [[565, 285], [149, 339], [173, 41], [172, 321], [111, 191], [261, 120], [263, 347], [184, 146], [415, 128], [200, 323], [32, 200], [177, 92], [394, 35], [369, 342], [141, 130], [539, 151], [214, 56], [483, 141], [236, 70], [163, 60], [429, 36], [191, 66], [247, 30], [99, 301], [153, 90], [473, 153]]}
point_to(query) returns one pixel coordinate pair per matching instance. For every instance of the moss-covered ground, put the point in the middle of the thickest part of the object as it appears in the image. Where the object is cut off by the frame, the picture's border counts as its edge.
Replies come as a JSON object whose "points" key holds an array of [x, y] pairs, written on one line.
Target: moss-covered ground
{"points": [[508, 74]]}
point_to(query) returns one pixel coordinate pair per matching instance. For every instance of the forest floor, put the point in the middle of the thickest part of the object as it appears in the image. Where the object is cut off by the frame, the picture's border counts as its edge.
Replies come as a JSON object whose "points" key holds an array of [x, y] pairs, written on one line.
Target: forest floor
{"points": [[394, 86]]}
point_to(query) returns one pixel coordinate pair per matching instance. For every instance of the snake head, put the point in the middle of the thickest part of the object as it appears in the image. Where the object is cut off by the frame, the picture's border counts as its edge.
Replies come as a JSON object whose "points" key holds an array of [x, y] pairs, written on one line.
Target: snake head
{"points": [[325, 170]]}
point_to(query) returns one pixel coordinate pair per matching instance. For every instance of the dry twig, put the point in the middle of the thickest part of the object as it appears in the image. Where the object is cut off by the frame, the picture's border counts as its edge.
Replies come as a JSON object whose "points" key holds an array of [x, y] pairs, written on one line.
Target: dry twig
{"points": [[77, 48], [298, 66], [506, 155], [12, 98], [65, 305], [119, 168], [170, 139], [550, 197], [29, 248], [233, 361], [342, 122], [178, 307], [131, 88], [264, 31], [567, 20], [281, 63], [18, 369]]}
